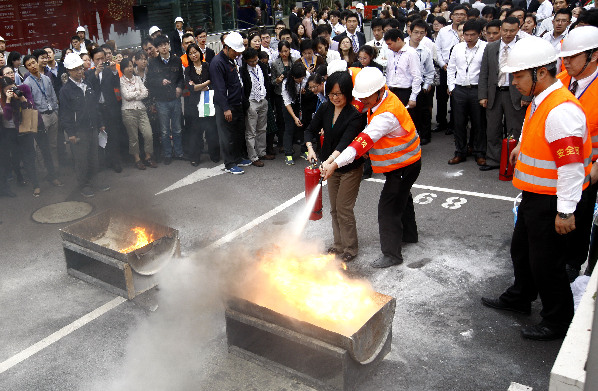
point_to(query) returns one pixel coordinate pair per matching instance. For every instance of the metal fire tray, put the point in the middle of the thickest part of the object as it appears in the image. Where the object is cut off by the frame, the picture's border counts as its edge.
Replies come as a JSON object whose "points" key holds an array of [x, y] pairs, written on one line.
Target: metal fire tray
{"points": [[91, 251]]}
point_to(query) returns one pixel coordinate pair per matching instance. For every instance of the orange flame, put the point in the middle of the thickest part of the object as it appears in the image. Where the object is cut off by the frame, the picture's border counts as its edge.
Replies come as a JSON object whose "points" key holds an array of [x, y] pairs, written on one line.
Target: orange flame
{"points": [[314, 289], [344, 265], [142, 239]]}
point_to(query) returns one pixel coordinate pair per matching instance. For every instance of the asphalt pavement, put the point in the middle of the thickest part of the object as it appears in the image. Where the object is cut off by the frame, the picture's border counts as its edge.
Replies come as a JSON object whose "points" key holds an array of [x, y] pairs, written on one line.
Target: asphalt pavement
{"points": [[443, 338]]}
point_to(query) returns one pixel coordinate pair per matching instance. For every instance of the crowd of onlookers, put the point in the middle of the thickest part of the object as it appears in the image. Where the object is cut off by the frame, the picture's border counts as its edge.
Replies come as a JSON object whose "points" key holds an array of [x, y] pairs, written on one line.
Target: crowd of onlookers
{"points": [[175, 98]]}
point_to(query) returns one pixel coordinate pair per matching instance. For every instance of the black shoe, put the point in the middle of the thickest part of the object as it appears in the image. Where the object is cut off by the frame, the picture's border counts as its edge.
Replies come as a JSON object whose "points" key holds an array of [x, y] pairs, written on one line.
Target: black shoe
{"points": [[333, 250], [424, 141], [117, 168], [386, 261], [366, 175], [194, 163], [346, 257], [448, 132], [7, 193], [499, 305], [437, 129], [167, 161], [488, 167], [541, 332]]}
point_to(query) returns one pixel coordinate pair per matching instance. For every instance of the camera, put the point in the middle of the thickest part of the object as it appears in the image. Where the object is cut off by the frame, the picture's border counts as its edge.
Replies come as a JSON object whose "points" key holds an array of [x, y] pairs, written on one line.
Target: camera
{"points": [[106, 64], [18, 93]]}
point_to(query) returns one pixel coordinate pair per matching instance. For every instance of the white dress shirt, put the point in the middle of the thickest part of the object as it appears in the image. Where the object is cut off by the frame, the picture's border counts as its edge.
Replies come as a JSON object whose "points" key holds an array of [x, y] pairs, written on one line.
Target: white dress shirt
{"points": [[338, 29], [403, 70], [479, 5], [384, 124], [420, 5], [582, 84], [507, 82], [565, 120], [287, 99], [555, 41], [544, 11], [464, 65], [426, 63], [547, 25], [382, 49], [446, 39]]}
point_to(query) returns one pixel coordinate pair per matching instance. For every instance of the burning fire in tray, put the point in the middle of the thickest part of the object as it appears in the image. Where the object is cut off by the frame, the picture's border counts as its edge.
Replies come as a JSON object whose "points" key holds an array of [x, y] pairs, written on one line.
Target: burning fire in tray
{"points": [[142, 239], [313, 288]]}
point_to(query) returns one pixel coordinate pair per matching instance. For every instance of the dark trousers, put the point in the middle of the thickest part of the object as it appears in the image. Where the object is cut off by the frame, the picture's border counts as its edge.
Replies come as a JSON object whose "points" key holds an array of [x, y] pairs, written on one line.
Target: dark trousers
{"points": [[4, 160], [539, 255], [41, 138], [113, 122], [442, 98], [292, 132], [232, 135], [403, 94], [467, 107], [85, 153], [22, 148], [422, 114], [197, 127], [579, 239], [279, 110], [396, 215]]}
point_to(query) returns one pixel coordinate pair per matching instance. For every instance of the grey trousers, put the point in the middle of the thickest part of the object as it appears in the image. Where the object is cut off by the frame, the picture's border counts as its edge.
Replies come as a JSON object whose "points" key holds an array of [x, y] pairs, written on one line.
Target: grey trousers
{"points": [[136, 121], [503, 108], [256, 123], [85, 153], [51, 124], [342, 191]]}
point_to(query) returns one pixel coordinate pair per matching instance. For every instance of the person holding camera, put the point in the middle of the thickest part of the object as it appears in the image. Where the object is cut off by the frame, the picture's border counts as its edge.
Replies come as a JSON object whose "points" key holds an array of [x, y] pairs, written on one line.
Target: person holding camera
{"points": [[280, 70]]}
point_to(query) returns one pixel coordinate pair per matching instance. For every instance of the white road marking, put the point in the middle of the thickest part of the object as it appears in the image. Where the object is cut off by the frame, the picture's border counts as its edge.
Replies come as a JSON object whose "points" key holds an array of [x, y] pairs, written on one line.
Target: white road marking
{"points": [[199, 175], [63, 332], [454, 191]]}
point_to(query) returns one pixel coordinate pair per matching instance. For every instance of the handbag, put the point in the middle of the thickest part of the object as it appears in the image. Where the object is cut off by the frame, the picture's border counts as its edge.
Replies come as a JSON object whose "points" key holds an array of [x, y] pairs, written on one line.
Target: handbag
{"points": [[205, 107], [28, 121]]}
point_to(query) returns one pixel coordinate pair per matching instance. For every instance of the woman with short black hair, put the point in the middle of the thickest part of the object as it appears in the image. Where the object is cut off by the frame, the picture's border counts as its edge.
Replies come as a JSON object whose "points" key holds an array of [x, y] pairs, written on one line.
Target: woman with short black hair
{"points": [[365, 58], [341, 123], [14, 61]]}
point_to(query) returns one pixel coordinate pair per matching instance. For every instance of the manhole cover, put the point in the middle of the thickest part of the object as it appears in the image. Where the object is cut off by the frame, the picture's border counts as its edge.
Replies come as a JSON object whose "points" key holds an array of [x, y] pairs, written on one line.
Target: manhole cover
{"points": [[63, 212]]}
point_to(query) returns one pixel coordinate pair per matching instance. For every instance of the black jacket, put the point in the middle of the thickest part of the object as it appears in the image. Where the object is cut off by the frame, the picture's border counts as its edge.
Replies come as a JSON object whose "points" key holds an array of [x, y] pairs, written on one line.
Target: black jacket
{"points": [[176, 46], [293, 20], [533, 5], [360, 38], [106, 87], [157, 71], [248, 80], [338, 137], [209, 55], [78, 112]]}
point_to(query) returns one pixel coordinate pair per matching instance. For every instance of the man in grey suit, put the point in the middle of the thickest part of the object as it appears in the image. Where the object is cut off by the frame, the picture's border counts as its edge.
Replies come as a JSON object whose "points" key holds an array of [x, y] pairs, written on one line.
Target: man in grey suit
{"points": [[498, 95]]}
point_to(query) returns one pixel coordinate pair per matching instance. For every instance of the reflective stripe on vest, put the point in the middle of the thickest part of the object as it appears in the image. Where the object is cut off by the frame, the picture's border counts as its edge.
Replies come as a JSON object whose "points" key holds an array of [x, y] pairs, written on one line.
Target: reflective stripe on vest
{"points": [[391, 153], [536, 170], [588, 100]]}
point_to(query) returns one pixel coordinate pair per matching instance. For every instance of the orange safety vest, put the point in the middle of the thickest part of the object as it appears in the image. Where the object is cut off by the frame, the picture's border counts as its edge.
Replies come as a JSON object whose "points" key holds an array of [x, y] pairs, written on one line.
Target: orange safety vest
{"points": [[588, 100], [391, 153], [185, 60], [536, 169]]}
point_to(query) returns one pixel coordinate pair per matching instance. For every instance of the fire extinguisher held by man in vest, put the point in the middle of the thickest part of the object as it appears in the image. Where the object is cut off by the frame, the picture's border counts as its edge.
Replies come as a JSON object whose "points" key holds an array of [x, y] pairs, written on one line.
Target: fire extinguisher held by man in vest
{"points": [[394, 149], [579, 52], [552, 168]]}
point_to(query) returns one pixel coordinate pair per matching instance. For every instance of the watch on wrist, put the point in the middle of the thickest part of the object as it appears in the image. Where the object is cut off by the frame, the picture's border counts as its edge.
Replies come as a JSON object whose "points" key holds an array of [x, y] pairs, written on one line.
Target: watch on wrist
{"points": [[564, 216]]}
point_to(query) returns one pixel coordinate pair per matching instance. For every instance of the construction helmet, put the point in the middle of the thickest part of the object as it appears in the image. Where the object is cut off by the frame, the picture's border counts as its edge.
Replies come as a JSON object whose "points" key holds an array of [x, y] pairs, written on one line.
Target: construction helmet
{"points": [[153, 30], [530, 53], [336, 66], [367, 82], [235, 41], [579, 40], [72, 61]]}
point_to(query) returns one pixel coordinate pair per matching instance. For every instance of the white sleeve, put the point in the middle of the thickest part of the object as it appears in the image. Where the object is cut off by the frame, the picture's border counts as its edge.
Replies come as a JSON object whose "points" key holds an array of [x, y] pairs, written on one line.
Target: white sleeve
{"points": [[416, 74], [451, 70], [286, 98], [380, 126], [567, 120], [440, 49]]}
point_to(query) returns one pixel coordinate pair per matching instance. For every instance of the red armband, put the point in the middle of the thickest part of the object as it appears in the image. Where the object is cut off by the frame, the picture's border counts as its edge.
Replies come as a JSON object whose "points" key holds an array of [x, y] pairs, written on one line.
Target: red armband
{"points": [[567, 150], [362, 143], [358, 105]]}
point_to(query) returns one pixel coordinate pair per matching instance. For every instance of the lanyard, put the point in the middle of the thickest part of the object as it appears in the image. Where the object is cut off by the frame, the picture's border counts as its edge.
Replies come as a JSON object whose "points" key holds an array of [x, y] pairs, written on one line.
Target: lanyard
{"points": [[471, 60], [584, 90], [400, 53], [43, 90], [305, 62]]}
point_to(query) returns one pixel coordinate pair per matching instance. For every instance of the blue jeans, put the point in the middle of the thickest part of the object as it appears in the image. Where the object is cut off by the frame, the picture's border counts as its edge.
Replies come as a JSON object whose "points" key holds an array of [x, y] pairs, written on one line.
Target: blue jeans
{"points": [[169, 114]]}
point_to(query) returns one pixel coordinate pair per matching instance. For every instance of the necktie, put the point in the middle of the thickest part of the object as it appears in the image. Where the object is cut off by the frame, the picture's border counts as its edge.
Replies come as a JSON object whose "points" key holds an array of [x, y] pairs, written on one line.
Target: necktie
{"points": [[573, 87], [165, 60], [256, 86], [502, 77], [355, 45], [533, 108]]}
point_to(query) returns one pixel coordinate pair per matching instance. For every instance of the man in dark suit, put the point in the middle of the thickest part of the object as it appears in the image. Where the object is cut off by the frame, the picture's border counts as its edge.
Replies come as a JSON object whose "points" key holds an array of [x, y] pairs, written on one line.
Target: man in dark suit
{"points": [[357, 38], [503, 102], [360, 18], [104, 80], [528, 5], [201, 36], [293, 18], [176, 37]]}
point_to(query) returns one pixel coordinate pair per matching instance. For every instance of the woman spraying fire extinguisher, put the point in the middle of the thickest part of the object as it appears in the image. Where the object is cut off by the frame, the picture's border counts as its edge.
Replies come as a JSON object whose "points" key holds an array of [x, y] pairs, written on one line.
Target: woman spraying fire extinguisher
{"points": [[341, 123]]}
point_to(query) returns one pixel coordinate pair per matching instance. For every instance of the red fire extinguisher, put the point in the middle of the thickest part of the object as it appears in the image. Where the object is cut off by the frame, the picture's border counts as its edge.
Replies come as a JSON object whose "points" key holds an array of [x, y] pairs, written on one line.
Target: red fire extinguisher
{"points": [[506, 168], [312, 179]]}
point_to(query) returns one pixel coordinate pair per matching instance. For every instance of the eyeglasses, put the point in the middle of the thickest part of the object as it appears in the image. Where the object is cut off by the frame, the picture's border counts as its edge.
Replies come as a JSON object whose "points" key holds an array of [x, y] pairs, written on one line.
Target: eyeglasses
{"points": [[335, 95], [314, 87], [361, 59]]}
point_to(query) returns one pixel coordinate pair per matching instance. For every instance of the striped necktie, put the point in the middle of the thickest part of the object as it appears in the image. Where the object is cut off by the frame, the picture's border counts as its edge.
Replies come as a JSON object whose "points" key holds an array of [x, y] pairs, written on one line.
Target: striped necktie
{"points": [[573, 87], [355, 45]]}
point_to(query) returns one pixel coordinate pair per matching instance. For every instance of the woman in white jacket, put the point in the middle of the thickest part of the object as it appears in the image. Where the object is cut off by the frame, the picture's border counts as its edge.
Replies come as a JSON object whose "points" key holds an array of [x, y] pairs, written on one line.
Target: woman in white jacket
{"points": [[134, 115]]}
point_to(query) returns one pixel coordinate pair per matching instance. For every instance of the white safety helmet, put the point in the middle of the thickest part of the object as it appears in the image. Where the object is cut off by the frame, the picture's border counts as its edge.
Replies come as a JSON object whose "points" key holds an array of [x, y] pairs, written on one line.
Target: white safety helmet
{"points": [[72, 61], [359, 6], [368, 81], [579, 40], [235, 41], [336, 66], [530, 53], [80, 28], [179, 19], [153, 30]]}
